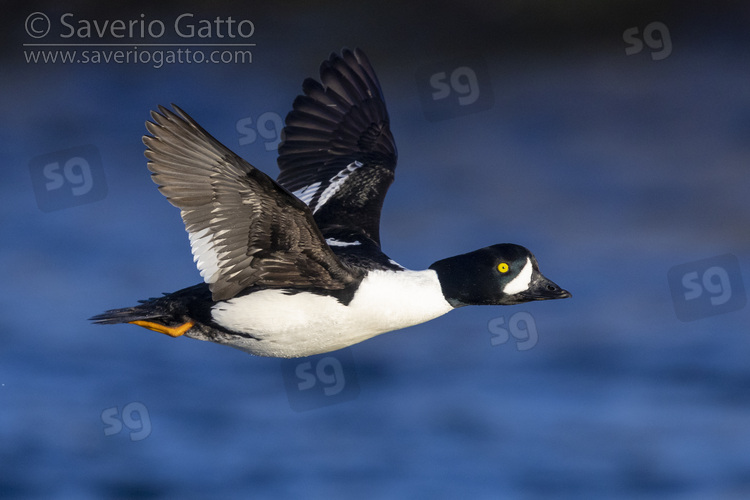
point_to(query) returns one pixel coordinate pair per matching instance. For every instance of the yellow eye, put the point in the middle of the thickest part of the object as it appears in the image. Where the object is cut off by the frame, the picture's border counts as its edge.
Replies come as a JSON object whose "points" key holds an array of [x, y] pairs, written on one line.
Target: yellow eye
{"points": [[502, 267]]}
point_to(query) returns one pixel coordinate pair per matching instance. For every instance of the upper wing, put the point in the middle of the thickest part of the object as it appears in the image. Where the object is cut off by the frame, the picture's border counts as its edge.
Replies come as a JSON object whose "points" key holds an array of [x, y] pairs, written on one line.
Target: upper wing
{"points": [[244, 228], [338, 153]]}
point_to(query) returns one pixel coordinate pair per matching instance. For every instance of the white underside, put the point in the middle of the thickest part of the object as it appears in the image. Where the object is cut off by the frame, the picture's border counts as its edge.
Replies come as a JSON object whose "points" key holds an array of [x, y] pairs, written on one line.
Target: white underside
{"points": [[304, 324]]}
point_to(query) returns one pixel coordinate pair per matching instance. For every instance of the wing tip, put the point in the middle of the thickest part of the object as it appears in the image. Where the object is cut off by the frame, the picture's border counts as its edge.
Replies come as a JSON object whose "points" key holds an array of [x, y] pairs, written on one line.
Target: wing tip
{"points": [[345, 112]]}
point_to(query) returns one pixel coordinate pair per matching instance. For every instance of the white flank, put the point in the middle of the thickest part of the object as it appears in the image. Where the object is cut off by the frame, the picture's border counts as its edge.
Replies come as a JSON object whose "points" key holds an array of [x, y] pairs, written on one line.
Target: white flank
{"points": [[303, 324], [333, 242], [306, 193], [520, 282], [335, 184], [205, 255]]}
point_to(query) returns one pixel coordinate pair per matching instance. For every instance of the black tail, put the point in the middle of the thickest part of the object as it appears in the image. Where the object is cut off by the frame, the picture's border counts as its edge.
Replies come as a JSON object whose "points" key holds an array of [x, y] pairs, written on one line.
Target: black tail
{"points": [[170, 311], [148, 310]]}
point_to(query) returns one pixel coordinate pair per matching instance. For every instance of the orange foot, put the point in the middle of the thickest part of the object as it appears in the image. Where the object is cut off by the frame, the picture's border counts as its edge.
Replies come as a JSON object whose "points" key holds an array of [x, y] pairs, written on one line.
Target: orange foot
{"points": [[172, 331]]}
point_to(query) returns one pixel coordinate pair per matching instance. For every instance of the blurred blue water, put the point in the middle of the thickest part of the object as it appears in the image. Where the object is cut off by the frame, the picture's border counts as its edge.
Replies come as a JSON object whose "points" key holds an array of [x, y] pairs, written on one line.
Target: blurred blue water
{"points": [[612, 169]]}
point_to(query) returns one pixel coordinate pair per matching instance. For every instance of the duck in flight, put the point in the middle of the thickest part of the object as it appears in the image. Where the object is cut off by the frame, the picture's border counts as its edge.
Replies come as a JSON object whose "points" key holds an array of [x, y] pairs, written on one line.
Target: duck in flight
{"points": [[293, 267]]}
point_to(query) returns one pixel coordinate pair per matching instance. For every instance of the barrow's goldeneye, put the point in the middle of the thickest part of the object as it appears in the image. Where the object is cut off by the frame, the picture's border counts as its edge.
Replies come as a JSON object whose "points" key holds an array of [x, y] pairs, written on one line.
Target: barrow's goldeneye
{"points": [[294, 267]]}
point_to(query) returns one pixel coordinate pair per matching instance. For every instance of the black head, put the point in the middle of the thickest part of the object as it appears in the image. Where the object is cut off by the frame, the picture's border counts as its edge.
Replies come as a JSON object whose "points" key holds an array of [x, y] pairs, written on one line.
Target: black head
{"points": [[502, 274]]}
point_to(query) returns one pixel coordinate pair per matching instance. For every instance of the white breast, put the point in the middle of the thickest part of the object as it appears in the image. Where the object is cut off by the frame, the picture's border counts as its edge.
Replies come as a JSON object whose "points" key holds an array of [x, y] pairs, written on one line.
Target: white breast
{"points": [[303, 324]]}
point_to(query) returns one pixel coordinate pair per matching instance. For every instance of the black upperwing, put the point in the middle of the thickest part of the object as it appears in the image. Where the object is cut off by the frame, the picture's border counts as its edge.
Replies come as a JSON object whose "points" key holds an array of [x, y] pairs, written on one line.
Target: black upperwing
{"points": [[338, 154]]}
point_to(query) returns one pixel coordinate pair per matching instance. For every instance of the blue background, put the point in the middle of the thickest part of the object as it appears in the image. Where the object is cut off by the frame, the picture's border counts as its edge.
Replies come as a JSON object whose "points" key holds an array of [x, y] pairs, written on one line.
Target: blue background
{"points": [[611, 168]]}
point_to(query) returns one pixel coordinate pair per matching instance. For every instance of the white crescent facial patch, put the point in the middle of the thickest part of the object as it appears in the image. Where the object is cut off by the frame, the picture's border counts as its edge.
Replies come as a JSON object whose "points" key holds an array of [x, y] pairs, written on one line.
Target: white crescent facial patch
{"points": [[521, 282]]}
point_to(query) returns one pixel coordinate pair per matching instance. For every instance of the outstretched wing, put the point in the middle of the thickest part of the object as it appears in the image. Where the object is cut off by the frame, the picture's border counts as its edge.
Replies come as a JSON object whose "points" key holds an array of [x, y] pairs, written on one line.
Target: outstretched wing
{"points": [[244, 228], [338, 153]]}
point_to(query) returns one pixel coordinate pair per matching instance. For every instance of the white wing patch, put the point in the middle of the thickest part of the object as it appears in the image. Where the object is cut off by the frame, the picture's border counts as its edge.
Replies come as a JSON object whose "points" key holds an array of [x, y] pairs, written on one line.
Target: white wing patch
{"points": [[205, 255], [396, 263], [335, 184], [520, 282], [306, 193], [333, 242]]}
